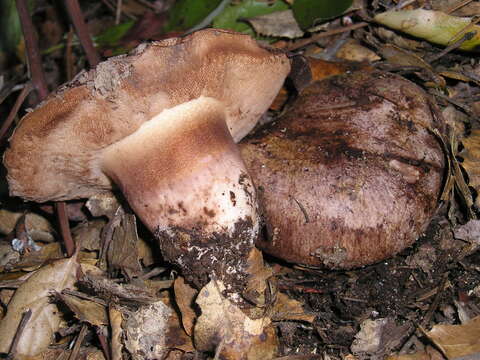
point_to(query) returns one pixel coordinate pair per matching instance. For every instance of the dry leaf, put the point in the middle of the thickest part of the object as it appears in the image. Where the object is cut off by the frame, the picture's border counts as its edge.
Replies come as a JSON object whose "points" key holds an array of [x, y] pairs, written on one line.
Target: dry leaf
{"points": [[471, 161], [153, 331], [378, 337], [277, 24], [123, 252], [353, 51], [222, 326], [36, 226], [108, 289], [104, 204], [34, 294], [85, 310], [457, 341], [434, 26], [88, 234], [184, 297], [116, 319], [469, 232], [286, 308], [428, 354], [32, 260]]}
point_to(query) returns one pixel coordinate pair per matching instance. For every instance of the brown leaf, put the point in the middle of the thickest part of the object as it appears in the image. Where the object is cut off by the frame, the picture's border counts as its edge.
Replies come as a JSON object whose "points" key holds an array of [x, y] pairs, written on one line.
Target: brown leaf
{"points": [[85, 310], [353, 51], [457, 340], [32, 260], [428, 354], [153, 330], [224, 326], [471, 161], [104, 204], [34, 294], [123, 251], [116, 319], [286, 308], [87, 234], [37, 226], [184, 297], [277, 24]]}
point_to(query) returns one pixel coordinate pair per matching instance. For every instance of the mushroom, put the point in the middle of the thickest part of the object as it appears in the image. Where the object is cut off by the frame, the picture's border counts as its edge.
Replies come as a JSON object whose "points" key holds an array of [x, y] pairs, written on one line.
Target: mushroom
{"points": [[351, 174], [160, 124]]}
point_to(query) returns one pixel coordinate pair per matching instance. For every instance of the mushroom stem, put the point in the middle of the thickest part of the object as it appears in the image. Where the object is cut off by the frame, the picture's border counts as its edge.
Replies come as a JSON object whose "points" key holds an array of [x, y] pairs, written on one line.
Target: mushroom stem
{"points": [[183, 175]]}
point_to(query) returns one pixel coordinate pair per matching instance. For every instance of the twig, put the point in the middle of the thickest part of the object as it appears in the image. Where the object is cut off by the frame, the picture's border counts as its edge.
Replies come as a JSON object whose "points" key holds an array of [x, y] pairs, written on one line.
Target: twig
{"points": [[82, 31], [314, 38], [61, 208], [21, 326], [118, 13], [14, 111], [103, 343], [435, 303], [33, 53], [451, 47], [69, 55], [78, 342], [458, 6]]}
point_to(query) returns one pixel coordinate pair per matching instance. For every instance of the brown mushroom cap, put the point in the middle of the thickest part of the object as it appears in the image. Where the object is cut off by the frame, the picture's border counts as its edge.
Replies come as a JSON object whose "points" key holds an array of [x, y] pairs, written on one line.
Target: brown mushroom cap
{"points": [[54, 153], [351, 174], [162, 125]]}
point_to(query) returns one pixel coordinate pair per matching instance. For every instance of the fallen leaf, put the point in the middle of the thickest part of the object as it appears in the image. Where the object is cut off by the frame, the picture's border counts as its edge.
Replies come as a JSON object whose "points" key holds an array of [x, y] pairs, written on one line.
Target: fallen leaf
{"points": [[353, 51], [123, 252], [286, 308], [36, 226], [377, 338], [85, 310], [87, 234], [434, 26], [153, 330], [469, 232], [428, 354], [457, 341], [224, 326], [471, 161], [34, 294], [310, 13], [184, 297], [32, 260], [116, 320], [232, 16], [277, 24], [104, 204]]}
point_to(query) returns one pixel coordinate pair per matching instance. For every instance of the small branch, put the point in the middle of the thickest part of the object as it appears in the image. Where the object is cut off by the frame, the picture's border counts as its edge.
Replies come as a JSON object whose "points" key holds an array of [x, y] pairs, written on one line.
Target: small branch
{"points": [[33, 53], [82, 31], [118, 13], [103, 344], [14, 111], [18, 334], [61, 208], [316, 37], [78, 343]]}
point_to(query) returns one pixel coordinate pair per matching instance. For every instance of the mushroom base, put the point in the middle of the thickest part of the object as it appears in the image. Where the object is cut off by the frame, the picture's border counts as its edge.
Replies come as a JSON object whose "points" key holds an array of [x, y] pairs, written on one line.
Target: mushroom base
{"points": [[202, 257]]}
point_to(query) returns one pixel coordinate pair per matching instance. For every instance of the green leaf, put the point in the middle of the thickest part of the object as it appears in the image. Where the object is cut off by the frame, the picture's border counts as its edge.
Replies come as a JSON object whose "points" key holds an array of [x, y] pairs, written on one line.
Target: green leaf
{"points": [[232, 16], [312, 12], [111, 36], [188, 13], [11, 35]]}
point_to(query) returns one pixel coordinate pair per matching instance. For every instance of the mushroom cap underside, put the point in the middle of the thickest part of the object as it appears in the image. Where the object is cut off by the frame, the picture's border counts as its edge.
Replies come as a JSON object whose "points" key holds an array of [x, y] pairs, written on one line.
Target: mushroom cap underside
{"points": [[55, 152]]}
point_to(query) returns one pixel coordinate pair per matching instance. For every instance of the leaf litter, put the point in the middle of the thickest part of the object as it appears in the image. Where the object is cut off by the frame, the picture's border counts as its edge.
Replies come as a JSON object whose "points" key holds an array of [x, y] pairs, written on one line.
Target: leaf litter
{"points": [[396, 309]]}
